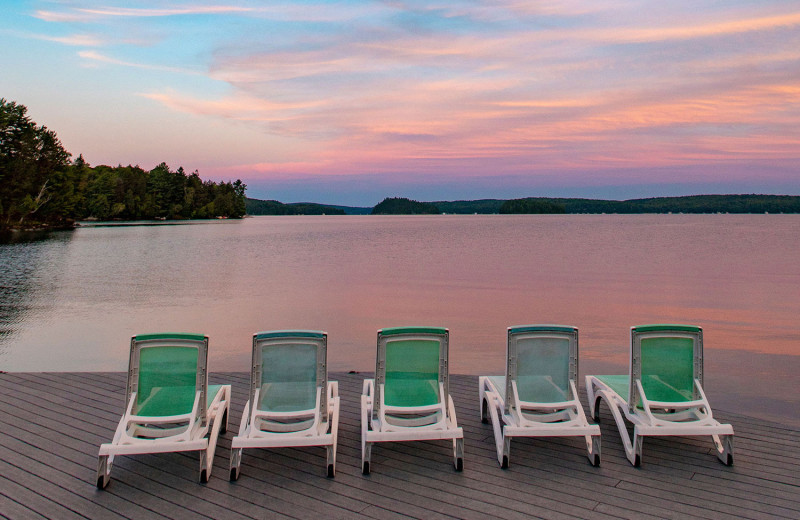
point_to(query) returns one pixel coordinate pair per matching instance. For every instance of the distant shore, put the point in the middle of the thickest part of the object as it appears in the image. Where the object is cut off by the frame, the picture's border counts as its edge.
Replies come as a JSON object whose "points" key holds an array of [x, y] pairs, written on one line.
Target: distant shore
{"points": [[746, 203]]}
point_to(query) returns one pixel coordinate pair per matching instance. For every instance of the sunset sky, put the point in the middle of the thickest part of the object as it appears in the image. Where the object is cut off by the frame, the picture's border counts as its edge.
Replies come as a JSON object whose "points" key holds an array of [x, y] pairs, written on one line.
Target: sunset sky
{"points": [[347, 102]]}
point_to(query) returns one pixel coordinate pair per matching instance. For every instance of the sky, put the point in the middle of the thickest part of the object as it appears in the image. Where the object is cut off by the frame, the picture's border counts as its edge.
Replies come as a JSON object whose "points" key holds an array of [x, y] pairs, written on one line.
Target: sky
{"points": [[347, 102]]}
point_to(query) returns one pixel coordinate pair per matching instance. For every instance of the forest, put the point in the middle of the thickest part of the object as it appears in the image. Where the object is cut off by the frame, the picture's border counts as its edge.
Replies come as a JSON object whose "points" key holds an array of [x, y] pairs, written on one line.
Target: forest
{"points": [[40, 187], [747, 203], [273, 207], [404, 206]]}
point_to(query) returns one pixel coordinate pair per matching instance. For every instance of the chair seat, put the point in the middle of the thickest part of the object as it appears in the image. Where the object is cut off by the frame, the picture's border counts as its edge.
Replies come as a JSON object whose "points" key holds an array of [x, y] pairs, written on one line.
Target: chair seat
{"points": [[290, 396], [409, 391], [657, 390]]}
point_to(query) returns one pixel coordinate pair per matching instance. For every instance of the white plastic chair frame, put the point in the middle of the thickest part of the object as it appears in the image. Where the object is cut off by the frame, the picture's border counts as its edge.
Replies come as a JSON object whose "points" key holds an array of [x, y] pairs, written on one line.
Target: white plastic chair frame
{"points": [[384, 423], [514, 417], [194, 431], [318, 426], [660, 418]]}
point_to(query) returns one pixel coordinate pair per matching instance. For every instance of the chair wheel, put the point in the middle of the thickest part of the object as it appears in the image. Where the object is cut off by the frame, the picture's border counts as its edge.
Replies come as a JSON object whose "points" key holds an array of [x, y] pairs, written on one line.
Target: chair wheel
{"points": [[234, 474], [460, 464], [504, 464], [365, 468], [330, 471]]}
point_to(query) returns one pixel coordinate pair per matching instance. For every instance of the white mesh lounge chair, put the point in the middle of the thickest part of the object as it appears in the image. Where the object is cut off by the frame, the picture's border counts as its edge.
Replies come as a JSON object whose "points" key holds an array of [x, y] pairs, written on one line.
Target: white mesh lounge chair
{"points": [[663, 393], [169, 405], [409, 398], [537, 397], [291, 401]]}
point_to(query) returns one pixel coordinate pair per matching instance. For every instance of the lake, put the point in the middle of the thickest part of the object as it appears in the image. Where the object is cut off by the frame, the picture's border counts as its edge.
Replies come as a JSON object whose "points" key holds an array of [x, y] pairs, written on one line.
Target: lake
{"points": [[70, 302]]}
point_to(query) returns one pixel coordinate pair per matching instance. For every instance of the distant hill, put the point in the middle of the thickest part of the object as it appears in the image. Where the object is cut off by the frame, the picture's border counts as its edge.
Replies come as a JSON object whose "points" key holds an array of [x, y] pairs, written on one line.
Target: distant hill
{"points": [[687, 204], [532, 206], [467, 207], [403, 206], [353, 210], [273, 207]]}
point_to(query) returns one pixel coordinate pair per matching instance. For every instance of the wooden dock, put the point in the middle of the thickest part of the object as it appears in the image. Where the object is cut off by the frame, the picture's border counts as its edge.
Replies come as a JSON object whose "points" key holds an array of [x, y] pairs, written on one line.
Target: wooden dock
{"points": [[51, 425]]}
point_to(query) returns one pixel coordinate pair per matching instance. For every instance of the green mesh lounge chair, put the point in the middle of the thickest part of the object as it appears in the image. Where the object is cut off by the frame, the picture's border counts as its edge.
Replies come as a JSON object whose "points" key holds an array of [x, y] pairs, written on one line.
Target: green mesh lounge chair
{"points": [[291, 401], [408, 399], [169, 404], [663, 394], [537, 397]]}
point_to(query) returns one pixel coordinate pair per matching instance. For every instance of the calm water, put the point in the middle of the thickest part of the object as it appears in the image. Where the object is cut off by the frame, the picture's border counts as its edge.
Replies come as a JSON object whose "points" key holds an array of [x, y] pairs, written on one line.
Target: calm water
{"points": [[72, 301]]}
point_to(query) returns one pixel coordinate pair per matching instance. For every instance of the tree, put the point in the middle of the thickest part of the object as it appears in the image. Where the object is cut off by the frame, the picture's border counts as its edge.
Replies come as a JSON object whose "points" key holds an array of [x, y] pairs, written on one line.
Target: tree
{"points": [[32, 163]]}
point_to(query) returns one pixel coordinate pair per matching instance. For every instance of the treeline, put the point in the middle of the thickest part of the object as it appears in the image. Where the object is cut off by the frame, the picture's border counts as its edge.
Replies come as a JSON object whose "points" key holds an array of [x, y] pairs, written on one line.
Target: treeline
{"points": [[273, 207], [531, 206], [686, 204], [404, 206], [40, 187], [131, 193]]}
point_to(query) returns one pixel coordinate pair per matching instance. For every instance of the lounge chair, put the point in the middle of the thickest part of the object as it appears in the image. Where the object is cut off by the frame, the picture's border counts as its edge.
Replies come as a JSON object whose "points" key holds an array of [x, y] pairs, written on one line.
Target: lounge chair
{"points": [[537, 397], [169, 405], [409, 398], [663, 393], [291, 402]]}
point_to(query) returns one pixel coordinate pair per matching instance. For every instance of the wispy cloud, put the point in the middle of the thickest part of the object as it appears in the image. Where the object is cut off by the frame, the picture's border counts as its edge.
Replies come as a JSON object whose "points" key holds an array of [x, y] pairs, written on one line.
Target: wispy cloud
{"points": [[75, 40], [87, 14], [97, 57]]}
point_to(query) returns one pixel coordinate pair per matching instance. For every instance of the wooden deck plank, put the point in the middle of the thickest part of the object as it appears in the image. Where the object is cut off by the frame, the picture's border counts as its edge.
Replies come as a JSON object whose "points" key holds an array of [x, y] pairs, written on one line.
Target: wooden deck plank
{"points": [[52, 424]]}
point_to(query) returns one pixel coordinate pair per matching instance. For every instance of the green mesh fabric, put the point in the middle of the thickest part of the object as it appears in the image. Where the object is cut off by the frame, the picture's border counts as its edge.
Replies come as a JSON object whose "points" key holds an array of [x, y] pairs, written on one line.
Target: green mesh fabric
{"points": [[167, 381], [543, 369], [412, 373], [619, 383], [668, 369], [211, 393], [500, 385], [288, 377]]}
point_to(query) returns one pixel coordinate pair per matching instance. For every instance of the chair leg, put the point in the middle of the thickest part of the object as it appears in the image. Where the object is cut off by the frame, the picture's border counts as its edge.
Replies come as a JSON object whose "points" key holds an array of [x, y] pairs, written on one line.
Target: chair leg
{"points": [[204, 470], [103, 471], [633, 447], [596, 410], [635, 454], [593, 449], [235, 465], [505, 459], [331, 452], [724, 445], [224, 427], [458, 454], [484, 411], [366, 453]]}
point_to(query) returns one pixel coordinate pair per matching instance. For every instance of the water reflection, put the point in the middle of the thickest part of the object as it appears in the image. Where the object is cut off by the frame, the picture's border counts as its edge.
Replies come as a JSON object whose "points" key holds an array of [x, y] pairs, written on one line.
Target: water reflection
{"points": [[72, 302], [29, 269]]}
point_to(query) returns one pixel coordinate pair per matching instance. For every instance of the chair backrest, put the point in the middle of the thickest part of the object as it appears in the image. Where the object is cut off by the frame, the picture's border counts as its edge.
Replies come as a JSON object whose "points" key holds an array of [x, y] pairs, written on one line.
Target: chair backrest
{"points": [[542, 359], [411, 363], [288, 367], [666, 359], [166, 370]]}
